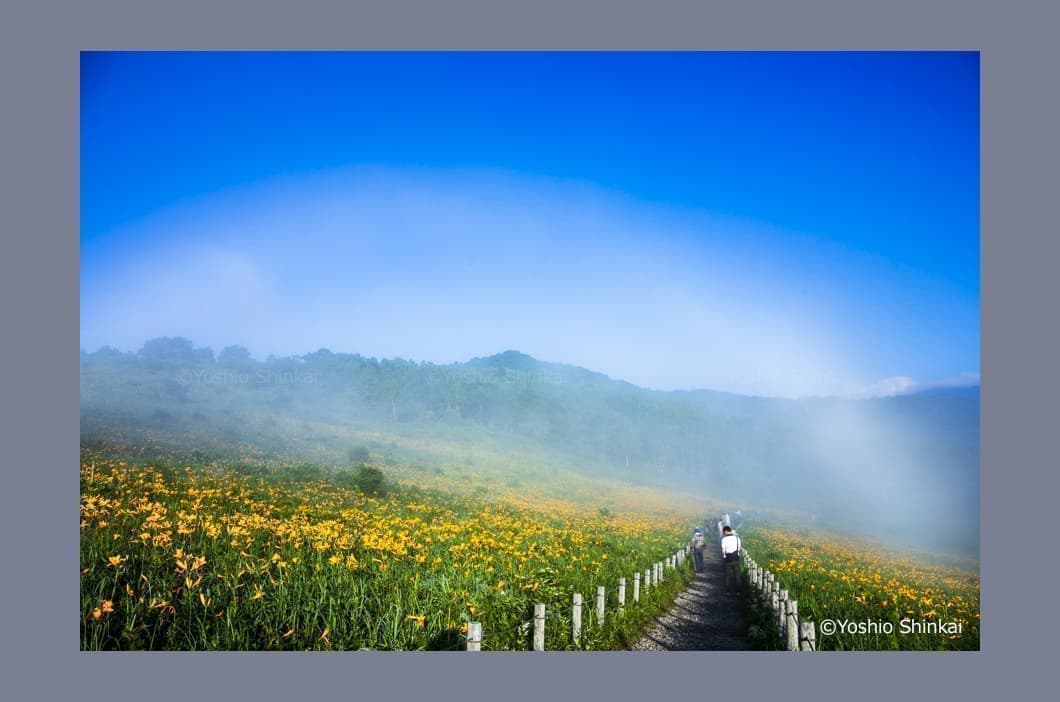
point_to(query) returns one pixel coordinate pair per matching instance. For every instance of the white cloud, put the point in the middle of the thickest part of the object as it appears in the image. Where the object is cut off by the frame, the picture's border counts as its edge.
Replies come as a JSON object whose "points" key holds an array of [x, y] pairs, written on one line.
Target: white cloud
{"points": [[904, 385], [895, 385]]}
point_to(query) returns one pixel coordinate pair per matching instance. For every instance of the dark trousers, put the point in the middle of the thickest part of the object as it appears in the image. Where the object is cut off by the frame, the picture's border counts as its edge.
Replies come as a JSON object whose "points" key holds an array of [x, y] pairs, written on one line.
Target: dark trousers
{"points": [[697, 555], [732, 573]]}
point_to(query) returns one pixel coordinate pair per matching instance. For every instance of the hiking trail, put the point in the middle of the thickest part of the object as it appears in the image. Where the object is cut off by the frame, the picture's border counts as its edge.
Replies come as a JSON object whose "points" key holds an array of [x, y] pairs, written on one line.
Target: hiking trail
{"points": [[702, 617]]}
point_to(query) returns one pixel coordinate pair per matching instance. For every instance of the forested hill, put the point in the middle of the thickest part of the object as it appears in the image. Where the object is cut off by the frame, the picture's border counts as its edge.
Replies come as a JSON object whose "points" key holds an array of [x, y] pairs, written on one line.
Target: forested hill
{"points": [[901, 465]]}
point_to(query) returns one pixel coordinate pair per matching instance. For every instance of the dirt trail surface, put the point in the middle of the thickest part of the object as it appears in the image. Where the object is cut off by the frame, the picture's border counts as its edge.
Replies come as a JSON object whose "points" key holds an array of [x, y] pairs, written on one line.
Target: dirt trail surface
{"points": [[703, 617]]}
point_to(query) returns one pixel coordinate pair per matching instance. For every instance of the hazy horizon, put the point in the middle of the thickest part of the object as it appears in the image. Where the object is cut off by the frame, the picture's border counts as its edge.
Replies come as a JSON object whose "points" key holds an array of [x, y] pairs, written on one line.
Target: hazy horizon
{"points": [[901, 386]]}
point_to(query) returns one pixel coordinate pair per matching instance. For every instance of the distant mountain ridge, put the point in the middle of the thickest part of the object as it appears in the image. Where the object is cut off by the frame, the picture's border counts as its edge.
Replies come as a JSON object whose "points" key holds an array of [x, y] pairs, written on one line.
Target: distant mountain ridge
{"points": [[904, 465]]}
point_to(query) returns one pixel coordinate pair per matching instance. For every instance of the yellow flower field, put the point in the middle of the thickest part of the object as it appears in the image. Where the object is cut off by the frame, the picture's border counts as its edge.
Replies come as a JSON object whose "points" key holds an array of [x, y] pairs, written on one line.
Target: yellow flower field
{"points": [[877, 598], [226, 556], [211, 557]]}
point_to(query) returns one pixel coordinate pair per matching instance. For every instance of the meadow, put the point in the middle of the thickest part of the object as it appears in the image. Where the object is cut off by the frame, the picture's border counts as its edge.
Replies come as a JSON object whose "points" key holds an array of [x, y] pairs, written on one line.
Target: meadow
{"points": [[246, 551], [868, 584], [223, 555]]}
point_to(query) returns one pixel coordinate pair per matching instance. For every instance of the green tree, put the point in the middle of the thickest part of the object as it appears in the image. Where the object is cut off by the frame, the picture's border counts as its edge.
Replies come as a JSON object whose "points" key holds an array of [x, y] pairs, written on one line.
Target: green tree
{"points": [[359, 454]]}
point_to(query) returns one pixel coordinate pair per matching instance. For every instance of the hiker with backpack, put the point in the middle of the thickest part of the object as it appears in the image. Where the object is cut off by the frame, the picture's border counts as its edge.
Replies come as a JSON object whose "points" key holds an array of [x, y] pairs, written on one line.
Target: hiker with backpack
{"points": [[698, 544]]}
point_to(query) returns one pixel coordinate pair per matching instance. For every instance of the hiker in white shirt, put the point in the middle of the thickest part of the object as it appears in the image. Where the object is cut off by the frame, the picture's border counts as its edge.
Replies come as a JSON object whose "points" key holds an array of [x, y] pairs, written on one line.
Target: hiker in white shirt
{"points": [[730, 553]]}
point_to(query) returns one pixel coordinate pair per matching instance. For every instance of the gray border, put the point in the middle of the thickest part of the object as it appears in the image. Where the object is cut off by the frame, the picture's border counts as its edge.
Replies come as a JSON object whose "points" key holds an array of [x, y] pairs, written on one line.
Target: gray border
{"points": [[40, 287]]}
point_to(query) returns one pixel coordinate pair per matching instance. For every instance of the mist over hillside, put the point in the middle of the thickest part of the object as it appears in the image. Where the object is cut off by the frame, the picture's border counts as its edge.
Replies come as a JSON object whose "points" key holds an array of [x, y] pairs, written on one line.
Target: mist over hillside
{"points": [[904, 468]]}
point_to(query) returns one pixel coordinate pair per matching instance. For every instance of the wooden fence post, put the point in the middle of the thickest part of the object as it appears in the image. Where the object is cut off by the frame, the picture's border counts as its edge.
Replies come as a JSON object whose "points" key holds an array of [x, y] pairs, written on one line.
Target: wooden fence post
{"points": [[792, 625], [601, 602], [539, 627], [776, 600], [636, 587], [808, 636], [621, 593], [474, 636], [576, 618], [782, 614]]}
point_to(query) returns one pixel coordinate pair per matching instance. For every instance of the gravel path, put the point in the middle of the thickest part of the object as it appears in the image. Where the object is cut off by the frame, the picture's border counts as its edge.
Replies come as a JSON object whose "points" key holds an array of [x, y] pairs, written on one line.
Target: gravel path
{"points": [[703, 617]]}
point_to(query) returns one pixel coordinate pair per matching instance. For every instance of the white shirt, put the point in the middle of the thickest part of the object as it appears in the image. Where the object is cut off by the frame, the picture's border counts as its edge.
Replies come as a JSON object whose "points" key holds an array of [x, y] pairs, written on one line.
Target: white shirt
{"points": [[730, 544]]}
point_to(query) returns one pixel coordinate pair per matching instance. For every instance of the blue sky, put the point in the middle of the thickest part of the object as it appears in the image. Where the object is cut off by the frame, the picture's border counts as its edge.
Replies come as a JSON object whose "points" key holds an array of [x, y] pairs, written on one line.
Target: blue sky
{"points": [[767, 223]]}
